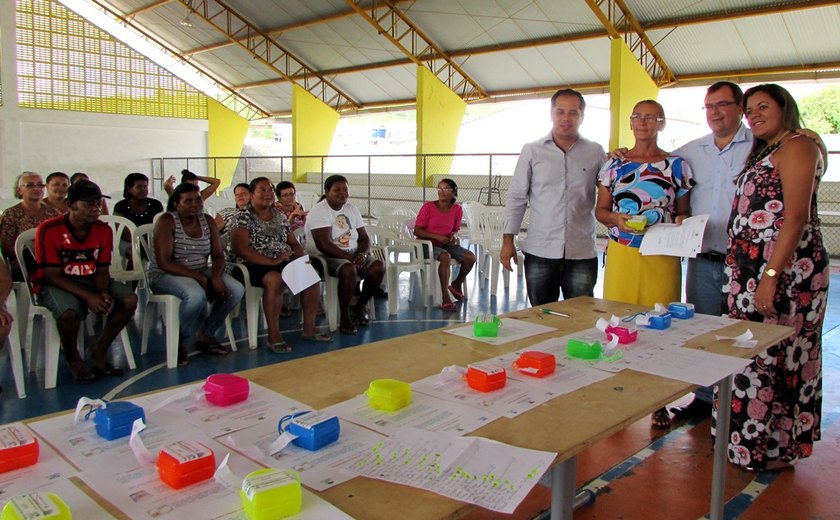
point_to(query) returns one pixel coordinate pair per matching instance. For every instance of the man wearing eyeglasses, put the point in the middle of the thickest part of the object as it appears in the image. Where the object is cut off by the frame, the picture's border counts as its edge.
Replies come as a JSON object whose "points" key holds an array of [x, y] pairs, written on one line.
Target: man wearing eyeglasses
{"points": [[715, 160], [73, 253], [556, 176]]}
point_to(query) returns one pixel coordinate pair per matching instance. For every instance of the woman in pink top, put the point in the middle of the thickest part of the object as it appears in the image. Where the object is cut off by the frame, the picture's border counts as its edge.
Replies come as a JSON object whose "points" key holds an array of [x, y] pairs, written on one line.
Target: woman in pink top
{"points": [[440, 221]]}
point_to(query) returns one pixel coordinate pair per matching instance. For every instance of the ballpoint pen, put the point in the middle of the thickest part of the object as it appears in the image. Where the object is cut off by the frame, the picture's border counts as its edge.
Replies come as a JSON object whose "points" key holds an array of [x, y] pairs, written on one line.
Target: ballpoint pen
{"points": [[555, 313]]}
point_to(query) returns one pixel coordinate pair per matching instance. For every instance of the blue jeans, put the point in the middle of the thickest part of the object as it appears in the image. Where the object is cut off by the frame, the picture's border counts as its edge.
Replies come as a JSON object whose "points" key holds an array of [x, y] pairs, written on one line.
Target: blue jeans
{"points": [[703, 288], [546, 277], [193, 310]]}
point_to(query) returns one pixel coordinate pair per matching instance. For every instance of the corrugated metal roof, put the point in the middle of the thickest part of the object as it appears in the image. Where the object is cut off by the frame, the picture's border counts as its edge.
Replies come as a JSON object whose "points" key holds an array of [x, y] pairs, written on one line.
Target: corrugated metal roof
{"points": [[507, 47]]}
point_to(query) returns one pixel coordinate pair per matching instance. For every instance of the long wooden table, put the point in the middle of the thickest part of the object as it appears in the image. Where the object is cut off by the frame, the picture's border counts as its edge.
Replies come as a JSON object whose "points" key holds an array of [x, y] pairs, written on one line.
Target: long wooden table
{"points": [[567, 424]]}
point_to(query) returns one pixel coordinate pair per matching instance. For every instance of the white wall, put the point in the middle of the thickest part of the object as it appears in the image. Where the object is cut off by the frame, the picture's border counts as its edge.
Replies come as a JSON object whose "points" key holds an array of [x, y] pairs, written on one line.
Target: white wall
{"points": [[106, 146]]}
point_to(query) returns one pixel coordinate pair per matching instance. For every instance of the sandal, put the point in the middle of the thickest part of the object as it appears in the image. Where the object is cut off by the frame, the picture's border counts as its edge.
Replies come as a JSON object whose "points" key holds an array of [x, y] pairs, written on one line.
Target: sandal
{"points": [[281, 347], [316, 338], [456, 293], [350, 331], [448, 307], [107, 371], [81, 372], [360, 318], [183, 357], [660, 420], [215, 349]]}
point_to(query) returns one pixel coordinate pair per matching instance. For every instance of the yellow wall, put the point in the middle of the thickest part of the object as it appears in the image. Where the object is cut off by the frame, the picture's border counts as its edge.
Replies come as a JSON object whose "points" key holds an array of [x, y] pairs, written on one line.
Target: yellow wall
{"points": [[629, 84], [313, 126], [226, 132], [439, 115]]}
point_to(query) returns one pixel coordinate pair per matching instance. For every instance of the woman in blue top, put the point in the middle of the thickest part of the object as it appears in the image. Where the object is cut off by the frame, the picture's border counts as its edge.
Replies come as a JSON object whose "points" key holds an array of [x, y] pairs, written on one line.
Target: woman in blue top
{"points": [[652, 183]]}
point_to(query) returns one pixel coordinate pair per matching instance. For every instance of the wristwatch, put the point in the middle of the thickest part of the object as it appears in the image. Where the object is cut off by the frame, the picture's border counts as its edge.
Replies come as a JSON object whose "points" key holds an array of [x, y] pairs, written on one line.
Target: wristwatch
{"points": [[771, 272]]}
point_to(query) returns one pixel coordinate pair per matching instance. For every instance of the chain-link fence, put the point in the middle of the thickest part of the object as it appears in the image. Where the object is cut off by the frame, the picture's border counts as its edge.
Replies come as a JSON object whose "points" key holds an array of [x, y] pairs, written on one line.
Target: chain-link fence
{"points": [[379, 183]]}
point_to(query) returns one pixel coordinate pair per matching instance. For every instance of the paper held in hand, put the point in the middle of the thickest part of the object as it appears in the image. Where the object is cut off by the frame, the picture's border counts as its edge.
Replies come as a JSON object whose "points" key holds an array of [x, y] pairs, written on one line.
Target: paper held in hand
{"points": [[300, 274], [684, 239]]}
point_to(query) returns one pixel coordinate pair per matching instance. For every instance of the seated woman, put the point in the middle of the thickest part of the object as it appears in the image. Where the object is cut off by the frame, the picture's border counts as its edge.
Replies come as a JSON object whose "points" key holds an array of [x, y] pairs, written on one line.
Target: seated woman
{"points": [[440, 221], [136, 205], [183, 240], [57, 185], [29, 187], [262, 240], [191, 178], [652, 183], [242, 197], [335, 229], [289, 206]]}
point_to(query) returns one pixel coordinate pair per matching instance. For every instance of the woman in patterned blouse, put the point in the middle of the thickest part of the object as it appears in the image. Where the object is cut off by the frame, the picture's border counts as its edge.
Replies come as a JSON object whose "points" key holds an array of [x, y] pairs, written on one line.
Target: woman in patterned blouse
{"points": [[262, 240]]}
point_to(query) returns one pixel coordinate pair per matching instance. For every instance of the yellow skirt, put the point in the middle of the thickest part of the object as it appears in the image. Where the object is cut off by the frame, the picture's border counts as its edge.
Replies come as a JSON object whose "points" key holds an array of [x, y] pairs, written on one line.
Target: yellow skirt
{"points": [[645, 280]]}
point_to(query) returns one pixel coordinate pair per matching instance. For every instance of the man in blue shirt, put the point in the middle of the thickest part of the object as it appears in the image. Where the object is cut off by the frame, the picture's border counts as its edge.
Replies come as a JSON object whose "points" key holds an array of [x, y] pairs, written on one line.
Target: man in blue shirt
{"points": [[715, 159], [556, 177]]}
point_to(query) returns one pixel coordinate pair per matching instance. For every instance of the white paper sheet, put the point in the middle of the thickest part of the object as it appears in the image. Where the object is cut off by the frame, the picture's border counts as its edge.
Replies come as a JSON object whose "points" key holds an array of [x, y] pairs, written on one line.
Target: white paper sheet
{"points": [[479, 471], [514, 399], [139, 492], [510, 330], [299, 274], [685, 239], [567, 377], [262, 405], [692, 366], [317, 469], [50, 467], [80, 504], [87, 450], [425, 412]]}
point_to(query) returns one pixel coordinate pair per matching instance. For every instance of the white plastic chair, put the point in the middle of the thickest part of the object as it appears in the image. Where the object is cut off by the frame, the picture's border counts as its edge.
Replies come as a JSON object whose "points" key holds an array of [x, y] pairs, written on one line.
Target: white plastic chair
{"points": [[124, 268], [26, 243], [307, 199], [14, 350], [472, 233], [491, 222], [253, 305], [170, 308], [400, 256]]}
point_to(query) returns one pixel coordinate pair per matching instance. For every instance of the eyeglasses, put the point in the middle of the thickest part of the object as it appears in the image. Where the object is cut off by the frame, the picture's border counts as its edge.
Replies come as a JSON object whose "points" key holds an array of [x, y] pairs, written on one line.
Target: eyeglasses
{"points": [[646, 118], [32, 185], [720, 105], [444, 189]]}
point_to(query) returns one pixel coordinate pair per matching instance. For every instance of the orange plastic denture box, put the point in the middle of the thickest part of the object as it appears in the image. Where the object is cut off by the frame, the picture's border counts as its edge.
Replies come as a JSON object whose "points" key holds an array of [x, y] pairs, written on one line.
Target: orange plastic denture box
{"points": [[536, 363], [18, 448], [486, 378], [184, 463]]}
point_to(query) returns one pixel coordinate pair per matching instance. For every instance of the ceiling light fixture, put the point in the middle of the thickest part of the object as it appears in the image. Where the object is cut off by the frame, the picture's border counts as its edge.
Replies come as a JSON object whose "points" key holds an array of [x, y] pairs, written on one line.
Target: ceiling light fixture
{"points": [[187, 20]]}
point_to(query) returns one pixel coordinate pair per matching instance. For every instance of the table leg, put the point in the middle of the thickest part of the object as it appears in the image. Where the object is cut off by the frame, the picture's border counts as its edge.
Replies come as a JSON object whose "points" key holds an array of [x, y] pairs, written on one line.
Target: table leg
{"points": [[721, 445], [563, 490]]}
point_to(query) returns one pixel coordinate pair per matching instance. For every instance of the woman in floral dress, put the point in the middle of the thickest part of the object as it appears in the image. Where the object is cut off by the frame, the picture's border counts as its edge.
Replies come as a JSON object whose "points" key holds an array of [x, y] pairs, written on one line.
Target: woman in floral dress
{"points": [[777, 272]]}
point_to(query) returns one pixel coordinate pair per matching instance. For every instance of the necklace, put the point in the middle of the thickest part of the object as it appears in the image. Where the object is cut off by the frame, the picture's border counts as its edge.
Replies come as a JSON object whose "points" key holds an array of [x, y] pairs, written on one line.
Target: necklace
{"points": [[763, 152]]}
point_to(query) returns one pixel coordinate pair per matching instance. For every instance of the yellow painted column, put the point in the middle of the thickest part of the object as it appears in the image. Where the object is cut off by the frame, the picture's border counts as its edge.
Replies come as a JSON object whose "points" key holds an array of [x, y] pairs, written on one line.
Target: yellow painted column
{"points": [[226, 131], [313, 126], [629, 84], [439, 115]]}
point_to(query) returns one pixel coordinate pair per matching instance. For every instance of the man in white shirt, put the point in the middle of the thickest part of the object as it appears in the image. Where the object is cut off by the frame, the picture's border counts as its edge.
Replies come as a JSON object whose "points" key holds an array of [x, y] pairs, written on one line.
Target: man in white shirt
{"points": [[556, 177]]}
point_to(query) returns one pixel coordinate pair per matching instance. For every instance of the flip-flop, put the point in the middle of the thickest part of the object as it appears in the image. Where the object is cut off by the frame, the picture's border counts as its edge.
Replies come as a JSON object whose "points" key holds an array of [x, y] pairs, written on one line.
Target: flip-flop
{"points": [[448, 307], [316, 338], [108, 371], [359, 318], [86, 376], [456, 293], [660, 420], [350, 331], [281, 347], [215, 349]]}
